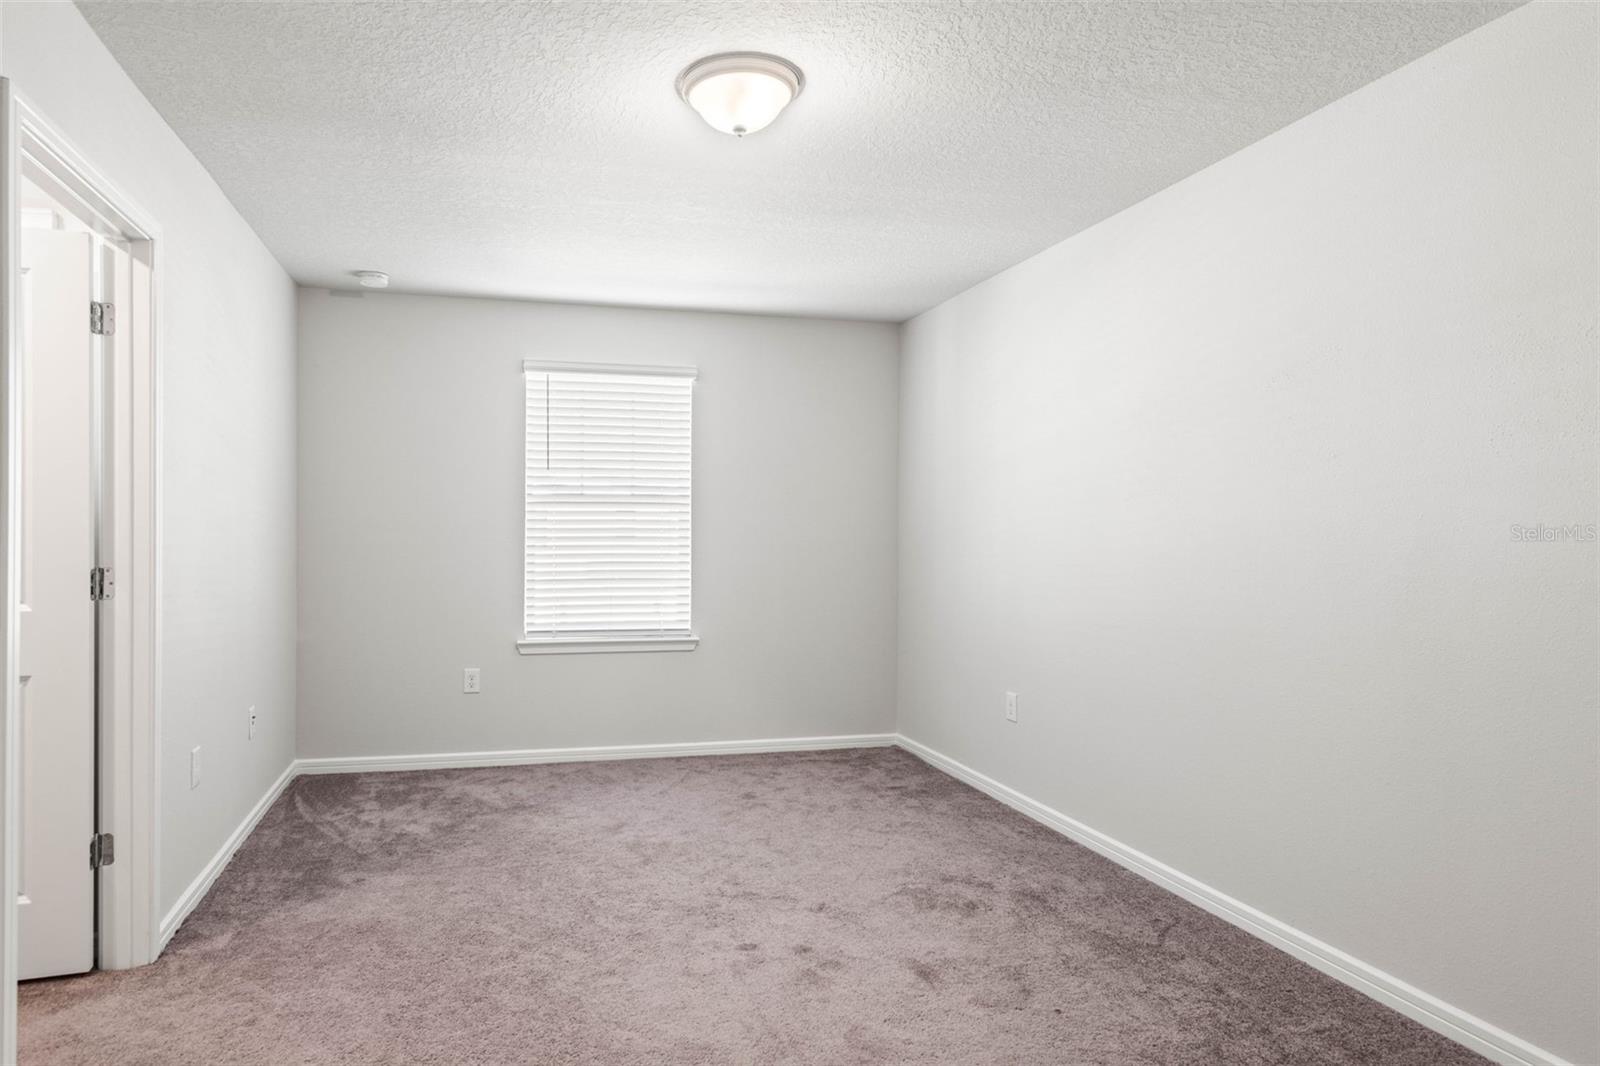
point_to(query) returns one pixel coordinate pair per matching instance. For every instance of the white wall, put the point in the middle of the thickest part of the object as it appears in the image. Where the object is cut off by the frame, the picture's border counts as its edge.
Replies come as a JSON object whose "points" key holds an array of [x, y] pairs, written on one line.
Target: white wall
{"points": [[1224, 488], [411, 427], [227, 474]]}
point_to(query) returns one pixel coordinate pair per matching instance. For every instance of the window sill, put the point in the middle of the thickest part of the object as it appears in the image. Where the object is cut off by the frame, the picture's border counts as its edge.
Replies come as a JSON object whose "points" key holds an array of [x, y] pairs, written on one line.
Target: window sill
{"points": [[591, 645]]}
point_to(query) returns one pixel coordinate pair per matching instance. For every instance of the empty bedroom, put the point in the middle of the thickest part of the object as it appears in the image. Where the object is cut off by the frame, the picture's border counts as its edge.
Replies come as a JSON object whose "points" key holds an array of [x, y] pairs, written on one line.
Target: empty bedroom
{"points": [[733, 532]]}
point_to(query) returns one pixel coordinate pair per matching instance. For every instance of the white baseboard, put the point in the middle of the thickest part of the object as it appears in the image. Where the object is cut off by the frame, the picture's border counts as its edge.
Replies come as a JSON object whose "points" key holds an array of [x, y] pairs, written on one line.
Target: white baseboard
{"points": [[528, 756], [202, 884], [1473, 1032]]}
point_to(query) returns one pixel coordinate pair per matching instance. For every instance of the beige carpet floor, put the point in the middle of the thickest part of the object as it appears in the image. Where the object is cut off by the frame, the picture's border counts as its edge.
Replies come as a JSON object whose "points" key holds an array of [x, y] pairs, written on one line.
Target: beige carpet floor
{"points": [[827, 908]]}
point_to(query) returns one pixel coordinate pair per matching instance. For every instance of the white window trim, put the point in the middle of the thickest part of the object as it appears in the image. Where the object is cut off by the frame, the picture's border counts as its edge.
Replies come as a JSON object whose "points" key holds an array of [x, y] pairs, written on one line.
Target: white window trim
{"points": [[545, 366], [621, 642], [590, 645]]}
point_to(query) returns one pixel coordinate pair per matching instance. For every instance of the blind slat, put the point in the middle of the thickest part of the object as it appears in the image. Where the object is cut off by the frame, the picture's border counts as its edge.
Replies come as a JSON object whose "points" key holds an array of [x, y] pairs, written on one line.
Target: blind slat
{"points": [[606, 535]]}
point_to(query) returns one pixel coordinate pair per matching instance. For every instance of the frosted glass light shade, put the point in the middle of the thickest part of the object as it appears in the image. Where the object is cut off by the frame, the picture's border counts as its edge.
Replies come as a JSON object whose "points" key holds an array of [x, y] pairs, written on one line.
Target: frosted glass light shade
{"points": [[740, 92]]}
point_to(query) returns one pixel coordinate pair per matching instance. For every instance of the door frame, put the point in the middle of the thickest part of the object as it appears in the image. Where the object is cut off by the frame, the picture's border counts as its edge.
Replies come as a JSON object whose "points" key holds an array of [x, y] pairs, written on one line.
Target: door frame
{"points": [[129, 633]]}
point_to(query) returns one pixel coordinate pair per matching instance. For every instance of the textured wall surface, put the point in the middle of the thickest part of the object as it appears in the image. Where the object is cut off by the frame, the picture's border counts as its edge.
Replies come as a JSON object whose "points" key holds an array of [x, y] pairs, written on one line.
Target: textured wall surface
{"points": [[539, 150], [227, 414], [1224, 488], [411, 434]]}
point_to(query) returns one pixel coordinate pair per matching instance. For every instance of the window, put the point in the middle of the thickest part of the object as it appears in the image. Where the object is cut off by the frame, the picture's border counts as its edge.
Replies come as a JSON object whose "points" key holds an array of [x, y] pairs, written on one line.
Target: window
{"points": [[606, 544]]}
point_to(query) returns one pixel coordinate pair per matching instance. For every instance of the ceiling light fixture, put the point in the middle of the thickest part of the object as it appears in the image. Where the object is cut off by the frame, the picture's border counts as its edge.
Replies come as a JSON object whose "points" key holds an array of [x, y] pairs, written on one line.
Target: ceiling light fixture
{"points": [[371, 279], [740, 92]]}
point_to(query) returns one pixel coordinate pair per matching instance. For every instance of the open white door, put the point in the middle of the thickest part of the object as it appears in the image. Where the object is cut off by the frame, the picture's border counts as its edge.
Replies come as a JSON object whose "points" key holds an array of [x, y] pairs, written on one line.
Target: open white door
{"points": [[79, 455], [56, 652]]}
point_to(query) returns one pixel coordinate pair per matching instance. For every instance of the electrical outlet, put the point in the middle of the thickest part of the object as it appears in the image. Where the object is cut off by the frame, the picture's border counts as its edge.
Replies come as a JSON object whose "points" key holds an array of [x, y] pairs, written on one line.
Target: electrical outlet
{"points": [[194, 768], [471, 680], [1011, 706], [252, 723]]}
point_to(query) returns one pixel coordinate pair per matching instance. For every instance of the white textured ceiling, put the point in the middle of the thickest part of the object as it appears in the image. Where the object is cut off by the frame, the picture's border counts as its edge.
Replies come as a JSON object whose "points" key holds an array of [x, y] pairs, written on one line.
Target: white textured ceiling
{"points": [[539, 150]]}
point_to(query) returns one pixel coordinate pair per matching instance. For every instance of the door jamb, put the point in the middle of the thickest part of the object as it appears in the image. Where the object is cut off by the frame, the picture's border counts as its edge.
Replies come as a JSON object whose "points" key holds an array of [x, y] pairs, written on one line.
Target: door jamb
{"points": [[128, 704]]}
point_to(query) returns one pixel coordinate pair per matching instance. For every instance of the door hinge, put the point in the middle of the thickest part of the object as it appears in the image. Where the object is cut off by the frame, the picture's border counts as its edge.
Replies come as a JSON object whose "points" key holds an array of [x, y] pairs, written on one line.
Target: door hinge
{"points": [[102, 850], [102, 318], [102, 583]]}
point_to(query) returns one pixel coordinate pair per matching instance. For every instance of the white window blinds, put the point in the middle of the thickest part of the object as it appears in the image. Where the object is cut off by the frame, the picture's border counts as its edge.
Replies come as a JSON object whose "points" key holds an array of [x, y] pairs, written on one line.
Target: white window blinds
{"points": [[606, 546]]}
